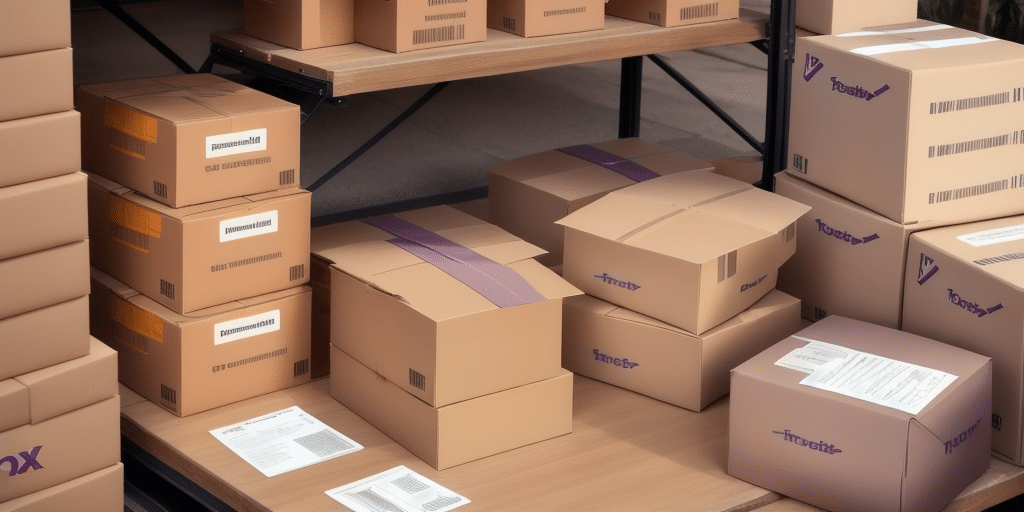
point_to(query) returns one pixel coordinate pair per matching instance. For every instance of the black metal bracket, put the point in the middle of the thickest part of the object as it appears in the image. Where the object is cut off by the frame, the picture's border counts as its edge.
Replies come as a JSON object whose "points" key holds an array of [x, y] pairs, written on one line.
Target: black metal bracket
{"points": [[115, 9]]}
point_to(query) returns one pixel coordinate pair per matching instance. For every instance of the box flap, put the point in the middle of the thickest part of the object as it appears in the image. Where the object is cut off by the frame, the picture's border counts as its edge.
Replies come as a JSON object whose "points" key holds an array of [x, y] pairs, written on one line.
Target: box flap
{"points": [[14, 402]]}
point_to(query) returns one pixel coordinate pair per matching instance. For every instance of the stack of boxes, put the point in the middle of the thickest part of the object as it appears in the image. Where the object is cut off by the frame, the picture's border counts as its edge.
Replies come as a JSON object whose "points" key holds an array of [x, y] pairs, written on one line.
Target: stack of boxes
{"points": [[59, 431]]}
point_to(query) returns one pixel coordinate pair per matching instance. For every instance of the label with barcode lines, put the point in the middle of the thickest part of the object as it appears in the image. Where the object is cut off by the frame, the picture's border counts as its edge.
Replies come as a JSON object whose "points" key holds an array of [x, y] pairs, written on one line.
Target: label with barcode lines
{"points": [[989, 100], [800, 163], [296, 272], [132, 239], [324, 443], [131, 339], [168, 394], [417, 379], [1000, 259], [439, 34], [286, 177], [160, 189], [508, 23], [965, 192], [698, 11], [445, 2], [166, 289], [970, 145], [300, 368], [124, 143]]}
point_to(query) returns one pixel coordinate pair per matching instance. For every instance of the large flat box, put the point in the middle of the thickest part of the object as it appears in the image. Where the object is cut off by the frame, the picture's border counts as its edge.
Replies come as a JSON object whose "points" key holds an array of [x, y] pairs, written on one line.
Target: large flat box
{"points": [[691, 249], [457, 433], [444, 338], [43, 214], [940, 107], [214, 357], [842, 453], [189, 139], [301, 24], [44, 278], [532, 18], [204, 255], [28, 26], [99, 491], [636, 352], [965, 287], [527, 195], [835, 16], [404, 25], [44, 337], [41, 81], [40, 147], [674, 13]]}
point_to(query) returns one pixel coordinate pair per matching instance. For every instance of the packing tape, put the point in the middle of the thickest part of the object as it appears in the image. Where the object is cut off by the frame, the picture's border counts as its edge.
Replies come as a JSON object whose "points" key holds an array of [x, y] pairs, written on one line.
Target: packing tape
{"points": [[612, 162]]}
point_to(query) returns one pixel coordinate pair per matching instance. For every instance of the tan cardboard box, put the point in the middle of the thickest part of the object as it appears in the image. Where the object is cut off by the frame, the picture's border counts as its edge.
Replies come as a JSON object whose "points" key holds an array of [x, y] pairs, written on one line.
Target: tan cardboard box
{"points": [[99, 491], [404, 25], [457, 433], [213, 357], [28, 26], [940, 108], [204, 255], [965, 287], [527, 195], [40, 279], [691, 249], [189, 139], [674, 13], [44, 337], [40, 147], [531, 18], [835, 16], [444, 338], [841, 453], [747, 168], [301, 24], [42, 82], [43, 214], [621, 347]]}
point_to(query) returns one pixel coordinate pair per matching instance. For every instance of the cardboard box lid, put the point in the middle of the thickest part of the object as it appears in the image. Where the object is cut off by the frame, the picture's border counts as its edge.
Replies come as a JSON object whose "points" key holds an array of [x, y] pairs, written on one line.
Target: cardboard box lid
{"points": [[14, 402], [983, 243]]}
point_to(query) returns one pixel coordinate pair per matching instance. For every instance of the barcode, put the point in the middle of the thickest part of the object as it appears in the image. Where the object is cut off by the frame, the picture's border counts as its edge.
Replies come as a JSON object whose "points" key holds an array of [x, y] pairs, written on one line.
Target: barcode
{"points": [[159, 189], [654, 16], [968, 146], [941, 107], [132, 339], [508, 23], [965, 192], [129, 237], [698, 11], [166, 289], [800, 163], [416, 379], [1018, 94], [410, 484], [324, 443], [819, 313], [726, 266], [999, 259], [296, 272], [441, 502], [563, 12], [126, 143], [443, 2], [439, 34], [168, 394], [300, 368], [286, 177], [373, 501]]}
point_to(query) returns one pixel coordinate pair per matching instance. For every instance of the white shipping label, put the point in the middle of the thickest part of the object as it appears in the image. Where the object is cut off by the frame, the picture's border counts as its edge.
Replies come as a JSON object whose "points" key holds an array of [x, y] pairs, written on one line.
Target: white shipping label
{"points": [[236, 143], [811, 356], [396, 490], [927, 28], [921, 45], [247, 327], [994, 236], [250, 225]]}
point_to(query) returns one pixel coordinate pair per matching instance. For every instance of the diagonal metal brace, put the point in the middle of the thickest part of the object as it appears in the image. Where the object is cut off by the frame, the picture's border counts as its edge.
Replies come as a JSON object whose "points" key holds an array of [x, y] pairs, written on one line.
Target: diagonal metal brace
{"points": [[112, 7]]}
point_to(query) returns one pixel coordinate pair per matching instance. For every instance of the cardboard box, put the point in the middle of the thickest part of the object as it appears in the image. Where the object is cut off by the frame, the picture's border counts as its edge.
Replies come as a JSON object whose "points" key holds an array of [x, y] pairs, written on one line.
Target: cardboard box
{"points": [[940, 107], [44, 337], [40, 279], [40, 147], [835, 16], [842, 453], [748, 168], [301, 24], [444, 338], [28, 26], [674, 13], [404, 25], [99, 491], [214, 357], [200, 256], [965, 287], [527, 195], [41, 81], [457, 433], [691, 249], [621, 347], [43, 214], [531, 18], [189, 139]]}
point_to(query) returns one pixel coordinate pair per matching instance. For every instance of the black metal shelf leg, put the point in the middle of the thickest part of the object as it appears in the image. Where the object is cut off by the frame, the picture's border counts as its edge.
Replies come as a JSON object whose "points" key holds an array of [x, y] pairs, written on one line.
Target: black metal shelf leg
{"points": [[630, 86]]}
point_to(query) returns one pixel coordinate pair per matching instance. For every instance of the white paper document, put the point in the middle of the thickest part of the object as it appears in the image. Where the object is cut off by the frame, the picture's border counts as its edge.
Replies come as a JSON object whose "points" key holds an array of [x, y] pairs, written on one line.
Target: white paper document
{"points": [[285, 440], [809, 357], [396, 490]]}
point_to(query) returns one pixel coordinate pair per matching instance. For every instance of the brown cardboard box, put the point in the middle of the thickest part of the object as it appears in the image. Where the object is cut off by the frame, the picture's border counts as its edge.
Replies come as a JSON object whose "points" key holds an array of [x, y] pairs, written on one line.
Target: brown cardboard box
{"points": [[621, 347], [965, 287], [435, 336], [664, 12], [99, 491], [40, 279], [842, 453], [939, 107], [204, 255], [531, 18], [404, 25], [213, 357], [40, 147], [301, 24], [189, 139], [457, 433], [691, 249], [835, 16], [42, 82], [44, 337], [747, 168], [43, 214], [28, 26], [527, 195]]}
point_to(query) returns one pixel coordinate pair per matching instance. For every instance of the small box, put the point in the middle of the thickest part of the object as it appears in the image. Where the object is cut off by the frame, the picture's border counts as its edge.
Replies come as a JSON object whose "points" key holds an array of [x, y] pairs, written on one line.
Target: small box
{"points": [[44, 337], [403, 25], [189, 139], [42, 82], [44, 278], [457, 433], [204, 255], [674, 13], [621, 347], [965, 287], [845, 451], [531, 18], [40, 147], [301, 24], [528, 195], [940, 108], [691, 249], [28, 26], [835, 16], [43, 214], [99, 491]]}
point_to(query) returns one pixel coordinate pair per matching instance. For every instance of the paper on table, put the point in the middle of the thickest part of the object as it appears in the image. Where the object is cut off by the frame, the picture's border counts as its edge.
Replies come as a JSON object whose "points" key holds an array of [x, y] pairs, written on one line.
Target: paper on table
{"points": [[285, 440], [396, 490]]}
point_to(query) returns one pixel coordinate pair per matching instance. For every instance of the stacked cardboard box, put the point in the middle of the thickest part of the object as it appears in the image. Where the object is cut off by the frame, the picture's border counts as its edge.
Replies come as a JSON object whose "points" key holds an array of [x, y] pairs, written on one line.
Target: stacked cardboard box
{"points": [[301, 24], [836, 16], [674, 13], [532, 18]]}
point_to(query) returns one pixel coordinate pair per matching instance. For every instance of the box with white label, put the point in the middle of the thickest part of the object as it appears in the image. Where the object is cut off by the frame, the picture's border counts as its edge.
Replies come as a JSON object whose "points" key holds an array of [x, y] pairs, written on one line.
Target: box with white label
{"points": [[189, 139], [674, 13]]}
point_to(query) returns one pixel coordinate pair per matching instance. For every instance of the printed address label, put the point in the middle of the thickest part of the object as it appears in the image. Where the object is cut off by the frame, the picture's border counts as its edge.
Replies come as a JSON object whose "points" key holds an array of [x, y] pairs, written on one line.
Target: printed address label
{"points": [[249, 225], [234, 330], [236, 143]]}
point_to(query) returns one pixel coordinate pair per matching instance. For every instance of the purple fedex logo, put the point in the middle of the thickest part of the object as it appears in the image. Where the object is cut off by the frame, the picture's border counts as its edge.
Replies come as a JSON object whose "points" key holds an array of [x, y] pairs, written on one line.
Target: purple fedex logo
{"points": [[818, 446], [970, 306], [926, 268], [843, 235], [812, 65], [21, 462]]}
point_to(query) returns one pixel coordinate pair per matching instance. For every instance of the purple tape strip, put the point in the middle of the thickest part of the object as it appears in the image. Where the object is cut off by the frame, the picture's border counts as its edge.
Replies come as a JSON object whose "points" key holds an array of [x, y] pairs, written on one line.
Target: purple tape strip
{"points": [[627, 168], [496, 282]]}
